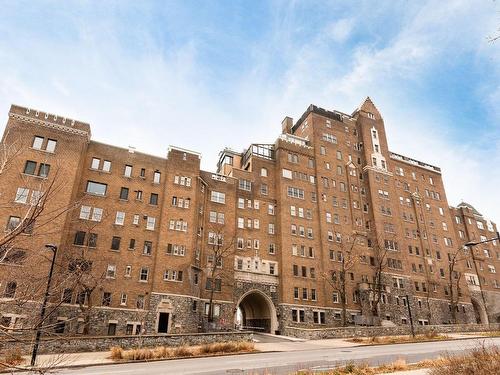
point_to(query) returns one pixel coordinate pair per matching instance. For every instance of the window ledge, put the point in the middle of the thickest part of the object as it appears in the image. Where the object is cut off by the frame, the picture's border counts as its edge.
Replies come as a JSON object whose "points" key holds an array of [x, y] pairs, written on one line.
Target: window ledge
{"points": [[96, 195], [99, 170], [35, 176], [42, 150]]}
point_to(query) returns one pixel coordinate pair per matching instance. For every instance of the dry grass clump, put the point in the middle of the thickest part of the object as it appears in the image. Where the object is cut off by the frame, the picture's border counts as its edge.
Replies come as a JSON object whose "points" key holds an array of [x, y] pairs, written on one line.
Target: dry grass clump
{"points": [[364, 369], [163, 352], [12, 357], [490, 334], [431, 335], [184, 351], [482, 360], [116, 353], [227, 347]]}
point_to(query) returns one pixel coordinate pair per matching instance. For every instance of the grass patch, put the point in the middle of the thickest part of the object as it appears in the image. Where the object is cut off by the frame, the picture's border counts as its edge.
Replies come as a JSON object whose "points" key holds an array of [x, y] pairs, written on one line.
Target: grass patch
{"points": [[364, 369], [490, 334], [163, 352], [429, 336], [11, 357], [482, 360]]}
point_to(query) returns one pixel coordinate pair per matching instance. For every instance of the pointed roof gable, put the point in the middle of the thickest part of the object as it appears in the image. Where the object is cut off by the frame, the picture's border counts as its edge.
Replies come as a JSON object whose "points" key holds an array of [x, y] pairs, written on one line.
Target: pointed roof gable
{"points": [[368, 106]]}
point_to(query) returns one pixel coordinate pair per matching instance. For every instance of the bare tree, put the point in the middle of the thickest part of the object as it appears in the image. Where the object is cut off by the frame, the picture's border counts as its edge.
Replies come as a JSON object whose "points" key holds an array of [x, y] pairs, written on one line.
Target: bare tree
{"points": [[454, 277], [337, 279], [379, 267], [85, 275], [220, 249], [37, 216]]}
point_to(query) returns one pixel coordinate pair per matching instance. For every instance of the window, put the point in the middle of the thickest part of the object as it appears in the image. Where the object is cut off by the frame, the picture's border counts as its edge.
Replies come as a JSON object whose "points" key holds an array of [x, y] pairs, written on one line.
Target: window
{"points": [[92, 240], [96, 188], [153, 199], [136, 219], [111, 271], [30, 167], [124, 193], [106, 166], [264, 189], [43, 170], [156, 177], [95, 163], [148, 248], [293, 158], [21, 195], [295, 192], [120, 218], [10, 289], [144, 274], [115, 243], [128, 171], [287, 173], [263, 172], [106, 299], [245, 185], [218, 197], [271, 228], [79, 238], [123, 301], [37, 143], [150, 223], [217, 285], [51, 145]]}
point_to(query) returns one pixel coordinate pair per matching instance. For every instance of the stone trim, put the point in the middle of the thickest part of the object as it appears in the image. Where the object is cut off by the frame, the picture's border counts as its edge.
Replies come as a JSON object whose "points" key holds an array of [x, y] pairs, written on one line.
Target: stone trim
{"points": [[47, 124]]}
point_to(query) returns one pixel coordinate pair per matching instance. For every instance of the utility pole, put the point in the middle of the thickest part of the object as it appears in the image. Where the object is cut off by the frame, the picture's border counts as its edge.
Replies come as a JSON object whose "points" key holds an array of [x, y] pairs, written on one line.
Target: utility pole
{"points": [[44, 305], [411, 317]]}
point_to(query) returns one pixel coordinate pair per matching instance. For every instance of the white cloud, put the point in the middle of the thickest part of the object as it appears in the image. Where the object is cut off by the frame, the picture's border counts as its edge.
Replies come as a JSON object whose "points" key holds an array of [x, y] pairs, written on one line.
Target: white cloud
{"points": [[340, 30]]}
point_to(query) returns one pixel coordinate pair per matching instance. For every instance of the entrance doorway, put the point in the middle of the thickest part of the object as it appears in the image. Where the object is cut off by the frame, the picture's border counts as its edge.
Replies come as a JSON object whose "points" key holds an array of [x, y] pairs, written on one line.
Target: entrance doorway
{"points": [[163, 322], [255, 311]]}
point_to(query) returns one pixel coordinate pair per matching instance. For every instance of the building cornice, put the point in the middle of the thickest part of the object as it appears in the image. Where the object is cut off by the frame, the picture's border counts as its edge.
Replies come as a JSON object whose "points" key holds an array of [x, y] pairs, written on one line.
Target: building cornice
{"points": [[51, 125]]}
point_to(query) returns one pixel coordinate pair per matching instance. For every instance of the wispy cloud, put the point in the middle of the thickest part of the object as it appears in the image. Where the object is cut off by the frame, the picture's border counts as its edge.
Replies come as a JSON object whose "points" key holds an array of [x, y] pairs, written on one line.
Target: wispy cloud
{"points": [[209, 75]]}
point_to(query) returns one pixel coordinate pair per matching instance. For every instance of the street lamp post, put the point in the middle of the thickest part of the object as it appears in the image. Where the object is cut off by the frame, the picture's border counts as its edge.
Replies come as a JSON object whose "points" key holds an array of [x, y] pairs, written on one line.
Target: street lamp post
{"points": [[44, 304]]}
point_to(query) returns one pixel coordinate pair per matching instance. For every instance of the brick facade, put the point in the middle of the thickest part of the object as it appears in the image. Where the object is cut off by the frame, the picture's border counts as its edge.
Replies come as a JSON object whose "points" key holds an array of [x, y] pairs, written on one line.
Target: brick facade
{"points": [[289, 214]]}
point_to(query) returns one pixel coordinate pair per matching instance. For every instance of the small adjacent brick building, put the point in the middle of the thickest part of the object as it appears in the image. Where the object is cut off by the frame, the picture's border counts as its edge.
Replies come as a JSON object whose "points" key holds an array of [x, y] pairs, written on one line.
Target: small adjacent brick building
{"points": [[327, 200]]}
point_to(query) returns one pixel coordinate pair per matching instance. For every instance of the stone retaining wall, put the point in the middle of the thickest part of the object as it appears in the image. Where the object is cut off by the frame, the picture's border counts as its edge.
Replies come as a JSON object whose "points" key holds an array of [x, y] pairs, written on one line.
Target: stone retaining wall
{"points": [[360, 331], [103, 343]]}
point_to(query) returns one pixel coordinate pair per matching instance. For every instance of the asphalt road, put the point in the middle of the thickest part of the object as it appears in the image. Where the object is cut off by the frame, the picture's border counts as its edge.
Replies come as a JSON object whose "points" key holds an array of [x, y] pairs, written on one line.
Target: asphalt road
{"points": [[288, 362]]}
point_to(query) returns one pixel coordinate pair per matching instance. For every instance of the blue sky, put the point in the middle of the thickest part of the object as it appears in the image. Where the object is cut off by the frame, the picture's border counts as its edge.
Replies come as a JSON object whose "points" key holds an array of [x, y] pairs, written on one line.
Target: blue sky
{"points": [[208, 74]]}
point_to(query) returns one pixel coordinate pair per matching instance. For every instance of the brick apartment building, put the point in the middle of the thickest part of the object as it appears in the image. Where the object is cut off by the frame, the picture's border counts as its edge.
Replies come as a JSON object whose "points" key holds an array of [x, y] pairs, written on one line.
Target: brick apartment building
{"points": [[326, 202]]}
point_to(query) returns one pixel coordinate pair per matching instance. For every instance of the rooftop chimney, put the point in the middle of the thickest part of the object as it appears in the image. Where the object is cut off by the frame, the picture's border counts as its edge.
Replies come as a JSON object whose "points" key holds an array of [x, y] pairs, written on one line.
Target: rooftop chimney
{"points": [[286, 125]]}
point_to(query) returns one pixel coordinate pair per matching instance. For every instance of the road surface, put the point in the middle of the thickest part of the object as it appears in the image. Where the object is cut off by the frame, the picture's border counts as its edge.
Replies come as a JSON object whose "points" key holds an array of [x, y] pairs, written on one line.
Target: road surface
{"points": [[287, 362]]}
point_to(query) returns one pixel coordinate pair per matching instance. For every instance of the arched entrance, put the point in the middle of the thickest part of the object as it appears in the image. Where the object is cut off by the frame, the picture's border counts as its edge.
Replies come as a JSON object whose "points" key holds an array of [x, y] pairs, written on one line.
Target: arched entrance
{"points": [[256, 311], [479, 312]]}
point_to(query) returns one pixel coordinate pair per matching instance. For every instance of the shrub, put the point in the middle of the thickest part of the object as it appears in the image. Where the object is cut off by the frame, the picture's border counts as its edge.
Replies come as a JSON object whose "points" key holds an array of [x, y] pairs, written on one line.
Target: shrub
{"points": [[13, 357], [482, 360], [183, 351], [116, 353]]}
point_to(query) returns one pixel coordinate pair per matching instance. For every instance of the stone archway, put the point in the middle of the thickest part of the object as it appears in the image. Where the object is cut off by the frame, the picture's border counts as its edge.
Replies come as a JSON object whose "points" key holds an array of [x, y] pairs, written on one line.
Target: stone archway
{"points": [[256, 311], [479, 312]]}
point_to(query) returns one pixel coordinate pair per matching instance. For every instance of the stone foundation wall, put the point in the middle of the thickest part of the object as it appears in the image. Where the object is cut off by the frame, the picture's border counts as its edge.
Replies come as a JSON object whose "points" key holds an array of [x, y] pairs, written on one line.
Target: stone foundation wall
{"points": [[75, 344], [358, 331]]}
